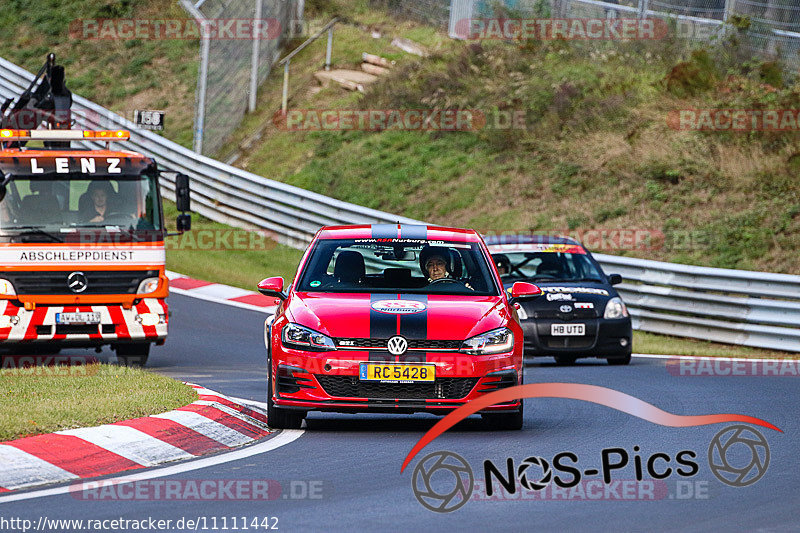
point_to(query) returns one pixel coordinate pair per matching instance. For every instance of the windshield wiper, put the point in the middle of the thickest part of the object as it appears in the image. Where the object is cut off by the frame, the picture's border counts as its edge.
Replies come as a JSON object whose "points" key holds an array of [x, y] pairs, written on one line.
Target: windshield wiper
{"points": [[32, 230]]}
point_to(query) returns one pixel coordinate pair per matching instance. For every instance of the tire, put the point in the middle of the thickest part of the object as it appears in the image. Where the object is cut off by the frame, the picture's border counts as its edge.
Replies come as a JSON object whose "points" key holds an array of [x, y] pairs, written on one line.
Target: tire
{"points": [[133, 354], [512, 421], [281, 418], [565, 360], [619, 361]]}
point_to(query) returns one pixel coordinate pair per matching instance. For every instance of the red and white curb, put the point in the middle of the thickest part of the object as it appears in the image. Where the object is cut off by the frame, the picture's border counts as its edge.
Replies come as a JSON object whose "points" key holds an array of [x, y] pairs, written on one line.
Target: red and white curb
{"points": [[211, 424], [217, 292]]}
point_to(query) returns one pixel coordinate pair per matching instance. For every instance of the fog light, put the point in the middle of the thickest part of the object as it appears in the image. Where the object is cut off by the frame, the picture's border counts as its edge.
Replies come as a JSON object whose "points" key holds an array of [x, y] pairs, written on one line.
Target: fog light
{"points": [[8, 321], [623, 342], [150, 319]]}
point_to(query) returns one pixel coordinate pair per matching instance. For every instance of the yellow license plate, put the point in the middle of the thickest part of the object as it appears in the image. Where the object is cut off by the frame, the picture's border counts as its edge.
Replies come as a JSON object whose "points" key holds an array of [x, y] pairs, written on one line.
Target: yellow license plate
{"points": [[399, 373]]}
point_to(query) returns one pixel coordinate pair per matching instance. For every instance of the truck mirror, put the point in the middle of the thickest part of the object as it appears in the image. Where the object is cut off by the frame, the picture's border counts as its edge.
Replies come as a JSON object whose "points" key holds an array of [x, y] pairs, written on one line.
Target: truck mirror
{"points": [[184, 222], [182, 192]]}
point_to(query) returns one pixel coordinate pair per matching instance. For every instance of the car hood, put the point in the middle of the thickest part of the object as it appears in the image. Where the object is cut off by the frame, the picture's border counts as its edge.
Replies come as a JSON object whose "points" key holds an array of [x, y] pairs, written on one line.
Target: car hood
{"points": [[415, 316]]}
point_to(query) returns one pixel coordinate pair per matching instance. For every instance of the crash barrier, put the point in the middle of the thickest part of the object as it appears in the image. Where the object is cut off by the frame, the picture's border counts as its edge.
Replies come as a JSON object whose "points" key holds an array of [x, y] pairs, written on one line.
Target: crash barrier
{"points": [[733, 306], [220, 192]]}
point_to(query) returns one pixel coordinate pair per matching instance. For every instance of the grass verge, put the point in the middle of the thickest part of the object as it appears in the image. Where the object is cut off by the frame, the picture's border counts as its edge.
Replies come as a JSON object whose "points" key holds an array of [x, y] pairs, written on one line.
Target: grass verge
{"points": [[650, 343], [223, 254], [43, 399]]}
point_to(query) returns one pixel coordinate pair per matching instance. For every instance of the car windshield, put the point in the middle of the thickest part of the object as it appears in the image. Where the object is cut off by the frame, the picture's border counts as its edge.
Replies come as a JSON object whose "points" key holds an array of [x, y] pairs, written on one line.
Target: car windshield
{"points": [[546, 266], [397, 265], [75, 203]]}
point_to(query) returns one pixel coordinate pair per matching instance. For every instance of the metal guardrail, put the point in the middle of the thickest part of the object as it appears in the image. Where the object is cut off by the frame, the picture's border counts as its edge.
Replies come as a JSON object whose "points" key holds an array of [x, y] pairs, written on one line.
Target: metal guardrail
{"points": [[220, 192], [758, 309], [733, 306]]}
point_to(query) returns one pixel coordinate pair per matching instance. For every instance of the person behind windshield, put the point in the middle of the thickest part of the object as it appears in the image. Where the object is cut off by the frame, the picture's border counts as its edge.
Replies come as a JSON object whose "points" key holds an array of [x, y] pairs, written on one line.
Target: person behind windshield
{"points": [[436, 266], [100, 194], [503, 264]]}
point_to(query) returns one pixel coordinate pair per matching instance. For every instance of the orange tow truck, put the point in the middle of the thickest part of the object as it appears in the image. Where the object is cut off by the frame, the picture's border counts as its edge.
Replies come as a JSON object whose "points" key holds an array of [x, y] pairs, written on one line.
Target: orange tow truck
{"points": [[81, 236]]}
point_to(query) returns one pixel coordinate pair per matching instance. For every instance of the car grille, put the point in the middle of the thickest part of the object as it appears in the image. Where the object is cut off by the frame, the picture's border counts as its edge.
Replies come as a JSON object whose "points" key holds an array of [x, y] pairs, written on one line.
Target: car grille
{"points": [[413, 344], [99, 281], [441, 388], [569, 342], [576, 314]]}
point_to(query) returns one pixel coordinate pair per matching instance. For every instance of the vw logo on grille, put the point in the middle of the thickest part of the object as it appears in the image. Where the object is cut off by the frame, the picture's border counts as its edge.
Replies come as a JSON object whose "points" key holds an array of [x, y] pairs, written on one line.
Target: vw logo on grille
{"points": [[77, 282], [565, 308], [397, 345]]}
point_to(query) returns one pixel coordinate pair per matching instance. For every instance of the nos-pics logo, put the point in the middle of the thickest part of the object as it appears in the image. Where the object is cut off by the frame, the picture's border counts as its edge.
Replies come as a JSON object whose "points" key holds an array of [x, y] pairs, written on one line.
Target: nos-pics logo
{"points": [[443, 481]]}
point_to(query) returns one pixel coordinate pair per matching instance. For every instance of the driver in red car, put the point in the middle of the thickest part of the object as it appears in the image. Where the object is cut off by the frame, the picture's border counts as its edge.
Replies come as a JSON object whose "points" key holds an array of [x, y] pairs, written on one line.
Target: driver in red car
{"points": [[435, 264]]}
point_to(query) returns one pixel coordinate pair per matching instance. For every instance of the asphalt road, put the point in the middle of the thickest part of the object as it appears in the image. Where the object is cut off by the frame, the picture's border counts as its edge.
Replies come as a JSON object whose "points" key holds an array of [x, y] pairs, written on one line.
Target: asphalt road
{"points": [[351, 464]]}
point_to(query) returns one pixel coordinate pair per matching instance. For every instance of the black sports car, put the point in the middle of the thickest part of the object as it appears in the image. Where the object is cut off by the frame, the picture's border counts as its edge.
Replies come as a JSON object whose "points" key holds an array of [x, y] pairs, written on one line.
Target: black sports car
{"points": [[579, 313]]}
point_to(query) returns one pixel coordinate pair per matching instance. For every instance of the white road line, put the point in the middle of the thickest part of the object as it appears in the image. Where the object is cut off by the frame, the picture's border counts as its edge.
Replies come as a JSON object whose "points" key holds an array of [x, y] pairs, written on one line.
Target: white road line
{"points": [[282, 439], [21, 469], [710, 357], [193, 294], [205, 426], [130, 443]]}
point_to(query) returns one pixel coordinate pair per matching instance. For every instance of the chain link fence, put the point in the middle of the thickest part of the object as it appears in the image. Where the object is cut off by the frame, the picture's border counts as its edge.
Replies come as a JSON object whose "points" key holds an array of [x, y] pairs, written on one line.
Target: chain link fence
{"points": [[231, 68], [768, 28]]}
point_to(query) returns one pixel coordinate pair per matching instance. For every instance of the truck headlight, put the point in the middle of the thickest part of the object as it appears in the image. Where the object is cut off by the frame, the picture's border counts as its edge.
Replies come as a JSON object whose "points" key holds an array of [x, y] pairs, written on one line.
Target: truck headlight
{"points": [[303, 338], [615, 308], [494, 341], [7, 288], [148, 285]]}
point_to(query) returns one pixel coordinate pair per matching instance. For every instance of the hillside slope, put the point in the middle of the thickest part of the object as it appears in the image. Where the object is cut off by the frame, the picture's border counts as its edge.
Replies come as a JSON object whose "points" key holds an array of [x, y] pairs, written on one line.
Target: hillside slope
{"points": [[597, 151]]}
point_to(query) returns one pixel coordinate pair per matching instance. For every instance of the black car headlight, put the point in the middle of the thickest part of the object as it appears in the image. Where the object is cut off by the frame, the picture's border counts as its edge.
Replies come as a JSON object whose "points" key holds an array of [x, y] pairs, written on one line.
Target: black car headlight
{"points": [[303, 338], [495, 341], [615, 308]]}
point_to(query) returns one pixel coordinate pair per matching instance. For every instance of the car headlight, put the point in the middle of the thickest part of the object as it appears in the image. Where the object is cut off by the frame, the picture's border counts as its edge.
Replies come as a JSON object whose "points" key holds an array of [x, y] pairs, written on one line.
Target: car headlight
{"points": [[7, 288], [147, 286], [303, 338], [615, 308], [495, 341], [521, 313]]}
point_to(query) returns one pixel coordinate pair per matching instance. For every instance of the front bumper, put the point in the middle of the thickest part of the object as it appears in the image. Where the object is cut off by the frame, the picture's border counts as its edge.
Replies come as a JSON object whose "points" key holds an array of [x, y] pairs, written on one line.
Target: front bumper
{"points": [[329, 381], [603, 338], [117, 324]]}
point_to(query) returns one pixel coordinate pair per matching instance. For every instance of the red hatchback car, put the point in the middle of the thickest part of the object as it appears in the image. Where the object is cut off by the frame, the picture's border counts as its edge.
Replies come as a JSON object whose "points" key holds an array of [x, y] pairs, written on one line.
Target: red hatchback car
{"points": [[393, 318]]}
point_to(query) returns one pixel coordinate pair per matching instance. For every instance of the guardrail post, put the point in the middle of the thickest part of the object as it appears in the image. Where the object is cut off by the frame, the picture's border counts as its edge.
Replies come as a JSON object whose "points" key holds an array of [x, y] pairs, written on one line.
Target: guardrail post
{"points": [[285, 97], [729, 6], [254, 58], [329, 50], [644, 5]]}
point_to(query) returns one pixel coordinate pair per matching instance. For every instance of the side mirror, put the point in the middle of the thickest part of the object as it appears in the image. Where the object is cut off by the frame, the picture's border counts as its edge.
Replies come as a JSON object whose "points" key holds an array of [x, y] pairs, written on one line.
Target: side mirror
{"points": [[272, 287], [184, 222], [182, 192], [523, 289], [614, 279]]}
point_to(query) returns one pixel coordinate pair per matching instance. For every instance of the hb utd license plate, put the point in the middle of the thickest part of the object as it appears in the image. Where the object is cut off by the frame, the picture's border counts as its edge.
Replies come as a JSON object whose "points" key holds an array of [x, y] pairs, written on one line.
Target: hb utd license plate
{"points": [[395, 372]]}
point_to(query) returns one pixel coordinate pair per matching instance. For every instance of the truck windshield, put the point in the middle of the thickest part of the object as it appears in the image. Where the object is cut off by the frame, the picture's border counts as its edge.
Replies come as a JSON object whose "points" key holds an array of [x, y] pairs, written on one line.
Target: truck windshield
{"points": [[70, 203]]}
